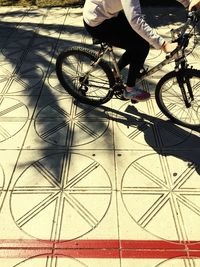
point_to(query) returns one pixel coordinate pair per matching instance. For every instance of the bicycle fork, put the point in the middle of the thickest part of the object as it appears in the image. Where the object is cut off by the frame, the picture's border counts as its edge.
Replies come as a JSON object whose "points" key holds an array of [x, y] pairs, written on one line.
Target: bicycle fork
{"points": [[185, 86]]}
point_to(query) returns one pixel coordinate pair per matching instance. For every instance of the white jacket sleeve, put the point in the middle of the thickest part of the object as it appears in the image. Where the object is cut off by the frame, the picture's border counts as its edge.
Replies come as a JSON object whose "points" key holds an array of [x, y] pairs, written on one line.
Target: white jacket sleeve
{"points": [[132, 10], [185, 3]]}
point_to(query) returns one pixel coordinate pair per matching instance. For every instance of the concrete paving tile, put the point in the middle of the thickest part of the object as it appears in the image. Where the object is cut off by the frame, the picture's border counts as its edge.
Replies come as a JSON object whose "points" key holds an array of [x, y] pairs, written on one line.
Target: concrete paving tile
{"points": [[41, 49], [102, 262], [53, 83], [62, 261], [23, 80], [60, 123], [104, 159], [15, 47], [7, 70], [13, 133], [71, 34], [140, 262], [5, 34], [161, 263], [39, 186], [55, 15], [12, 105], [12, 14], [161, 186], [134, 129], [179, 262], [14, 116]]}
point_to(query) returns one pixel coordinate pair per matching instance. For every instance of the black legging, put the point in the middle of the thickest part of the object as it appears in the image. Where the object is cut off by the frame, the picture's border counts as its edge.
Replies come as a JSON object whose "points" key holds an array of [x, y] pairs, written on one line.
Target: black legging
{"points": [[118, 32]]}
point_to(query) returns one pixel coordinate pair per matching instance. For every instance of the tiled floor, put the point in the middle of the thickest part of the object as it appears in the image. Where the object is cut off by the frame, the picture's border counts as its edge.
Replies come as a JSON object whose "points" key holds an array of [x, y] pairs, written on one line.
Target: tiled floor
{"points": [[117, 185]]}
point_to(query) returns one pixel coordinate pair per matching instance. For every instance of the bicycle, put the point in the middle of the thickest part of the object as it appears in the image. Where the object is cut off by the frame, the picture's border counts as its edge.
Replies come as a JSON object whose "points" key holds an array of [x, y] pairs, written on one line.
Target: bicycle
{"points": [[88, 77]]}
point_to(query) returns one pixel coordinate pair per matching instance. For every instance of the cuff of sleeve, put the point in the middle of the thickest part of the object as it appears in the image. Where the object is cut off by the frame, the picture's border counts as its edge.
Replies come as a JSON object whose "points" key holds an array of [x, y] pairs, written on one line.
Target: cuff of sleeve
{"points": [[159, 44]]}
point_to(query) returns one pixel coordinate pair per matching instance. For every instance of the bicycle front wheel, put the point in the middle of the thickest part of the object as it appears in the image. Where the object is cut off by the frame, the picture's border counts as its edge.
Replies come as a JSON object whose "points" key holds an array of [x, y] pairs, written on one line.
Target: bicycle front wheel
{"points": [[170, 100], [87, 82]]}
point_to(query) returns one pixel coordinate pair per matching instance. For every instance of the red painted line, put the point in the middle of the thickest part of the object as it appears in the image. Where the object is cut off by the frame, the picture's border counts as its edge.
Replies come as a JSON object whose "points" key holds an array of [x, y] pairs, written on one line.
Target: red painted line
{"points": [[152, 244], [99, 248]]}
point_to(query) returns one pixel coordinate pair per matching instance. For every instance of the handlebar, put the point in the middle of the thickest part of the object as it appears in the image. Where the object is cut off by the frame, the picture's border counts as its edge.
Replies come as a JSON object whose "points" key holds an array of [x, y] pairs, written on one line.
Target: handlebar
{"points": [[194, 15], [180, 35]]}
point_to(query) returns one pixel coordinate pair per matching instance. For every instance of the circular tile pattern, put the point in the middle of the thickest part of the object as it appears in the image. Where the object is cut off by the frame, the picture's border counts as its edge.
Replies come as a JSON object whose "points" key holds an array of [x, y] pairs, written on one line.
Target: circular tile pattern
{"points": [[16, 45], [6, 73], [65, 124], [193, 262], [163, 192], [12, 82], [153, 130], [40, 49], [13, 117], [55, 260], [54, 82], [57, 192]]}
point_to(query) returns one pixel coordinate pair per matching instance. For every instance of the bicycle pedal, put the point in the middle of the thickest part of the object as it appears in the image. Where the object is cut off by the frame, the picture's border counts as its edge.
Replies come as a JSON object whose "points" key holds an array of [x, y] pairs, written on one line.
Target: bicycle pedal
{"points": [[123, 98], [75, 101], [134, 101]]}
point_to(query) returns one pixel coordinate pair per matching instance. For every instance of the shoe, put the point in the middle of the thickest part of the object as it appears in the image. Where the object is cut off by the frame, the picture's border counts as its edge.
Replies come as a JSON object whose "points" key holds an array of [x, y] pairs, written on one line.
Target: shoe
{"points": [[137, 94]]}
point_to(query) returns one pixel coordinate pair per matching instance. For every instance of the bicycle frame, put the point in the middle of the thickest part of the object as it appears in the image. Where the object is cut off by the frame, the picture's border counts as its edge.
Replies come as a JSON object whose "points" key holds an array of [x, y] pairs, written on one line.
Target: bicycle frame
{"points": [[105, 48], [180, 64]]}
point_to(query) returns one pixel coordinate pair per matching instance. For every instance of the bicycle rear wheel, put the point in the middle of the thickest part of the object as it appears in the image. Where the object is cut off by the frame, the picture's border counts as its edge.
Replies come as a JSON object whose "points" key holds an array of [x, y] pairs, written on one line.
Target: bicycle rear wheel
{"points": [[170, 100], [81, 79]]}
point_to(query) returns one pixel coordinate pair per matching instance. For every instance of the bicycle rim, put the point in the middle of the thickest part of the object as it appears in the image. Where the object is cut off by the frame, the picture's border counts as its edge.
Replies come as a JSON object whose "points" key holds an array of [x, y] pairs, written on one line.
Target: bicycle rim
{"points": [[170, 100], [73, 67]]}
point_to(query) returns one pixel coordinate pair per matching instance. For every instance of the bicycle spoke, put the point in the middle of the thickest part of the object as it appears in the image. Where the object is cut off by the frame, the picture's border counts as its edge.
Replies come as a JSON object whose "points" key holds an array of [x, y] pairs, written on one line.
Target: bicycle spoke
{"points": [[171, 101], [84, 78]]}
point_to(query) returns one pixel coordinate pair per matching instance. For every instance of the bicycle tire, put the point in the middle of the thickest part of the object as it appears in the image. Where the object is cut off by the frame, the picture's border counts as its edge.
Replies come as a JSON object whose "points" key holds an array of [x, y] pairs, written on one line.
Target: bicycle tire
{"points": [[71, 66], [170, 101]]}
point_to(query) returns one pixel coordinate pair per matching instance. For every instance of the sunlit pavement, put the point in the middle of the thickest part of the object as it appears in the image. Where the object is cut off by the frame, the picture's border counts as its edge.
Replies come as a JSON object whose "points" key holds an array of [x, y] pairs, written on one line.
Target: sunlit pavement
{"points": [[117, 185]]}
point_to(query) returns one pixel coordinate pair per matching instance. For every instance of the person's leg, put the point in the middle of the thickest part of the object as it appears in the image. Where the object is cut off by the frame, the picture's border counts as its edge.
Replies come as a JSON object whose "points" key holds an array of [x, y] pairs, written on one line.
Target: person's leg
{"points": [[118, 32], [124, 60], [136, 47]]}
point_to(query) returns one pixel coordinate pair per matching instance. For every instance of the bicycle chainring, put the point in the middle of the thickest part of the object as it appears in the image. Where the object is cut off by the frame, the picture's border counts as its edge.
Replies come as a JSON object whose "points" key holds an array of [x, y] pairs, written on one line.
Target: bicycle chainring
{"points": [[83, 88], [118, 92]]}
